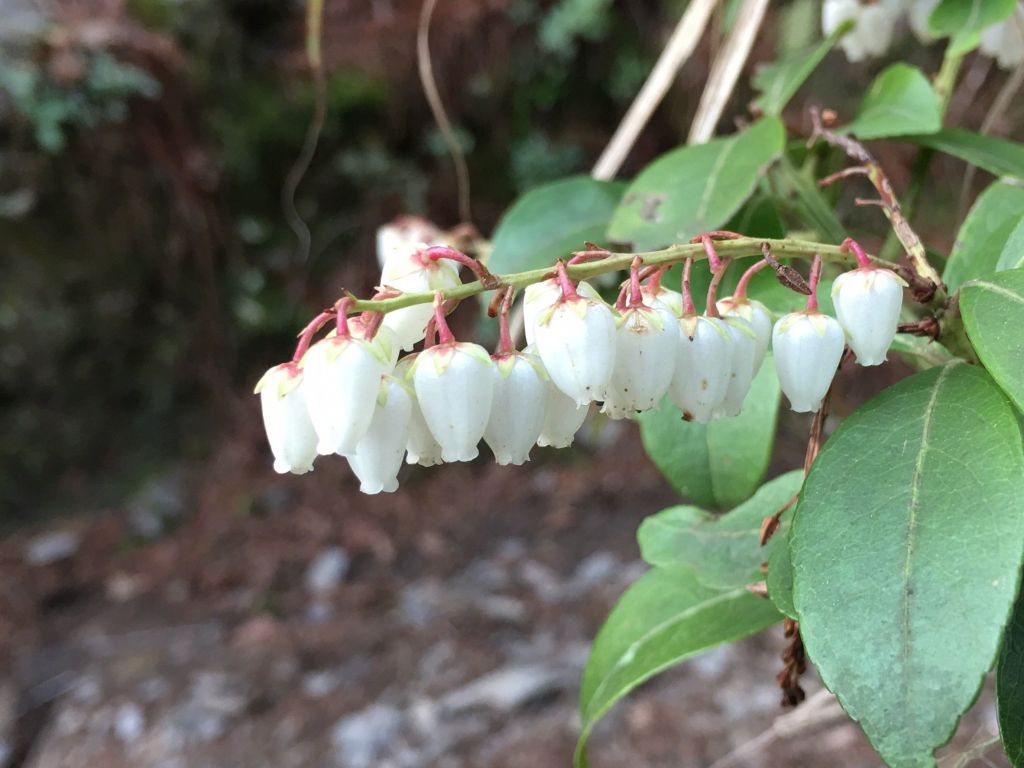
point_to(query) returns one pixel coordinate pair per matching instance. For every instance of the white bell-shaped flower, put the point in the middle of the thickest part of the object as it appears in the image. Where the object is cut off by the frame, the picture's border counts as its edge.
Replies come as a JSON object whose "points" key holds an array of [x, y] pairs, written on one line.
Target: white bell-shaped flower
{"points": [[703, 367], [874, 25], [918, 14], [760, 319], [657, 294], [286, 420], [421, 447], [646, 342], [342, 377], [743, 355], [541, 296], [384, 338], [454, 385], [517, 411], [563, 418], [1004, 41], [378, 457], [576, 342], [405, 233], [411, 271], [868, 302], [808, 347]]}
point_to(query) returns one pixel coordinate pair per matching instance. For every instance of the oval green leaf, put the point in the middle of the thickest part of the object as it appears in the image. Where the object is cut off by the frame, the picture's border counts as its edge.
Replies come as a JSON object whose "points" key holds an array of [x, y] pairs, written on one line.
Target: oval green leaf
{"points": [[780, 576], [963, 20], [899, 102], [723, 551], [663, 619], [1012, 256], [999, 157], [906, 547], [696, 188], [718, 464], [1010, 687], [550, 221], [984, 233], [993, 312]]}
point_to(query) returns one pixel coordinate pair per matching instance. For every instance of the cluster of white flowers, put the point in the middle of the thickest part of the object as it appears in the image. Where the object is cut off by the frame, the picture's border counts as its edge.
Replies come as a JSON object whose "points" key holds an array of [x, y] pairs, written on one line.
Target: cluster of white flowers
{"points": [[349, 394], [875, 22]]}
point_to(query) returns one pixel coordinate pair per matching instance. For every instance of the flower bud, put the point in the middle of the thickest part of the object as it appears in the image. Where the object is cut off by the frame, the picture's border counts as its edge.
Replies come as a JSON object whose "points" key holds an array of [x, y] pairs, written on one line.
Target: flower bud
{"points": [[576, 343], [807, 347], [342, 377], [286, 420], [646, 341], [868, 302], [454, 385], [410, 271], [743, 343], [378, 457], [541, 296], [421, 447], [760, 319], [703, 367], [517, 411]]}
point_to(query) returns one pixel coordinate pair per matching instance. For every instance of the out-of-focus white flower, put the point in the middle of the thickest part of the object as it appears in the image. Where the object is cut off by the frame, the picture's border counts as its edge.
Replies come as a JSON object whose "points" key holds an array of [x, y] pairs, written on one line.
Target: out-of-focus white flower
{"points": [[286, 420], [918, 13], [517, 410], [405, 233], [760, 319], [807, 347], [454, 385], [421, 447], [563, 417], [743, 354], [646, 341], [874, 24], [575, 339], [1004, 41], [868, 302], [541, 296], [378, 457], [411, 271], [703, 367]]}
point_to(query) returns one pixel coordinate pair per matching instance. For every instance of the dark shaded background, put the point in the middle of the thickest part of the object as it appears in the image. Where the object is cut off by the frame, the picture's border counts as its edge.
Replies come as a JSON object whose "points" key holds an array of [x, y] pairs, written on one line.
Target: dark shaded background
{"points": [[165, 599]]}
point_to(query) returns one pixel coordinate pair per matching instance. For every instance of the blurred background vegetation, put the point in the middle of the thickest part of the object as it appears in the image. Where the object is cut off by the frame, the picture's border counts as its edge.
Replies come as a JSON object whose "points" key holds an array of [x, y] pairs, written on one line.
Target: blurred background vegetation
{"points": [[149, 272]]}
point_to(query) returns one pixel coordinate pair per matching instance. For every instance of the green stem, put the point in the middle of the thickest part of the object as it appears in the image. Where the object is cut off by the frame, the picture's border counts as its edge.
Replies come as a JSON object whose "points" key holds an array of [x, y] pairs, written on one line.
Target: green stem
{"points": [[615, 262]]}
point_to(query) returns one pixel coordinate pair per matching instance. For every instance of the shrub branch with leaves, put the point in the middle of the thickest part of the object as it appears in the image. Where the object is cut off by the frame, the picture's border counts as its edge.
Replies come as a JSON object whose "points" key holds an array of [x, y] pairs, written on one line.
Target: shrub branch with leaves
{"points": [[893, 557]]}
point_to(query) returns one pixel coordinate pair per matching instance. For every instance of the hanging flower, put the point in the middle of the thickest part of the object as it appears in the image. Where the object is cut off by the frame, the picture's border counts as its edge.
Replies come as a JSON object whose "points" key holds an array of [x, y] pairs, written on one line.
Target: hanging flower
{"points": [[874, 23], [868, 301], [646, 340], [412, 270], [757, 316], [378, 457], [1004, 41], [807, 347], [405, 233], [421, 447], [541, 296], [517, 411], [286, 420], [703, 367]]}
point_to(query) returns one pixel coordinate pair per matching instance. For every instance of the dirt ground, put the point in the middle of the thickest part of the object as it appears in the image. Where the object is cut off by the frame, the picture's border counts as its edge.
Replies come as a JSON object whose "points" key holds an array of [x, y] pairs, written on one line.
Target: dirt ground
{"points": [[232, 618]]}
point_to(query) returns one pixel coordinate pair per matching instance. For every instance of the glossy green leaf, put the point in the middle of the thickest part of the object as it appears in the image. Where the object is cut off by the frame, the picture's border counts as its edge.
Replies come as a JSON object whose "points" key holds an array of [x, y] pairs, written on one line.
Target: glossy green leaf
{"points": [[778, 81], [984, 233], [663, 619], [993, 312], [780, 575], [695, 188], [1012, 255], [1010, 687], [718, 464], [963, 20], [906, 546], [899, 102], [550, 221], [999, 157], [724, 551]]}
